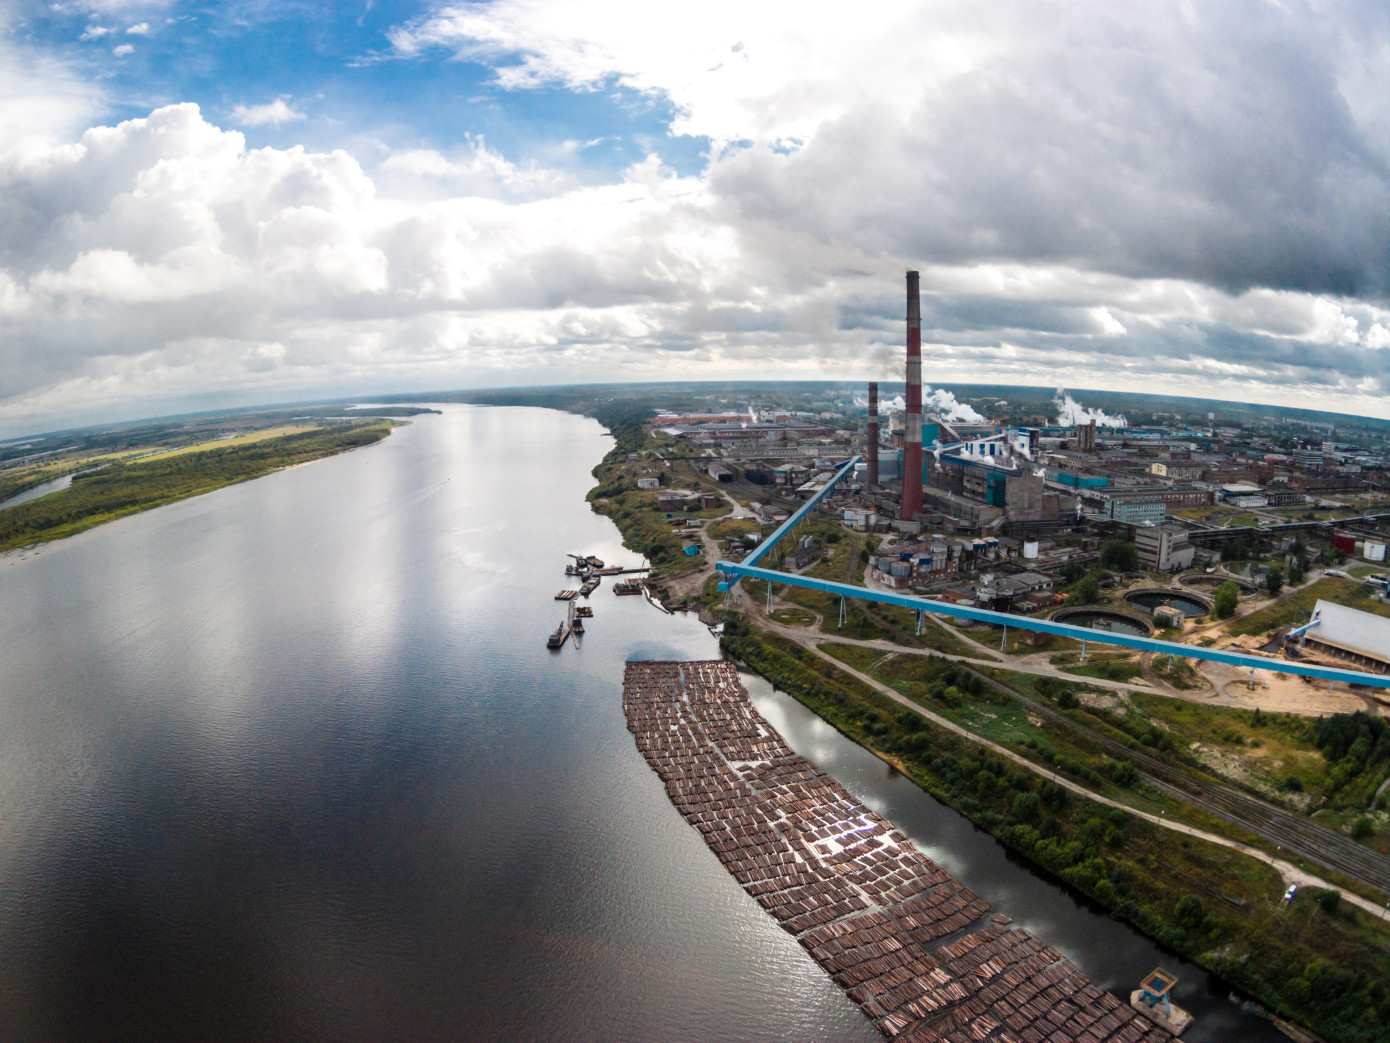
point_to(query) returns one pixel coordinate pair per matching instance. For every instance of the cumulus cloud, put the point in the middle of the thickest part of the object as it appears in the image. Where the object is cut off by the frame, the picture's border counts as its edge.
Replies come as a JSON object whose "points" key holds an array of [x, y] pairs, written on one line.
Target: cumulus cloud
{"points": [[121, 50], [274, 113], [1153, 197]]}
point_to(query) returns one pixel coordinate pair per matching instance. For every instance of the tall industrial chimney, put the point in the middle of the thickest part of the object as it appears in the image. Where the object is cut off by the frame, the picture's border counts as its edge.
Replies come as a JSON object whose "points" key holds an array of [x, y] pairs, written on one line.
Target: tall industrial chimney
{"points": [[912, 454], [871, 446]]}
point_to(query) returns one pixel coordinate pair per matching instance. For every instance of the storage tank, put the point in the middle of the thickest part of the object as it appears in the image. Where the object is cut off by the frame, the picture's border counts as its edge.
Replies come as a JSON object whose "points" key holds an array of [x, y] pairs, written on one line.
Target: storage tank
{"points": [[1030, 549], [1374, 551]]}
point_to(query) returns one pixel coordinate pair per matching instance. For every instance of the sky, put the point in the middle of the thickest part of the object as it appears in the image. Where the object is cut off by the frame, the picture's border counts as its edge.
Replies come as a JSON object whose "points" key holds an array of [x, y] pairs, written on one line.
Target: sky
{"points": [[206, 205]]}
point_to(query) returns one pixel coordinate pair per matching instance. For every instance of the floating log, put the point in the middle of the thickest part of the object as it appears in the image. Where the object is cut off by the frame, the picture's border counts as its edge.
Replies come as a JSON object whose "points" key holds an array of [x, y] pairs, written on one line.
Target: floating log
{"points": [[854, 892]]}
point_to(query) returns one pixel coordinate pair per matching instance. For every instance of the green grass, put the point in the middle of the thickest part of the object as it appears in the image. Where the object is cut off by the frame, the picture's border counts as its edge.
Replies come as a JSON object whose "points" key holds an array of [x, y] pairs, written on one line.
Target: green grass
{"points": [[1271, 747], [1177, 672], [1297, 608], [722, 530], [119, 489], [1330, 971]]}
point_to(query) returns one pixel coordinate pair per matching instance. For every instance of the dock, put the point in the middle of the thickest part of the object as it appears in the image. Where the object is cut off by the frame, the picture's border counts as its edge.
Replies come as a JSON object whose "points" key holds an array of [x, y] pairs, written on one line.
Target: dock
{"points": [[628, 587], [920, 954], [566, 595], [1152, 1000]]}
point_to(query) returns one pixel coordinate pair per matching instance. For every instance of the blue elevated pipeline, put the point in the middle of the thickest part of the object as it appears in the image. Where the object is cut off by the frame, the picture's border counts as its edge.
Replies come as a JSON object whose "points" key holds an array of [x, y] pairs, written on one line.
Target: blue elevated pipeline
{"points": [[733, 571]]}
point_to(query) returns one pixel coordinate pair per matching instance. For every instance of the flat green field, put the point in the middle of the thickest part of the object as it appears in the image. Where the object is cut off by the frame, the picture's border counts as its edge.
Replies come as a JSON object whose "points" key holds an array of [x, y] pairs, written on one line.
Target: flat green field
{"points": [[120, 488], [1296, 609]]}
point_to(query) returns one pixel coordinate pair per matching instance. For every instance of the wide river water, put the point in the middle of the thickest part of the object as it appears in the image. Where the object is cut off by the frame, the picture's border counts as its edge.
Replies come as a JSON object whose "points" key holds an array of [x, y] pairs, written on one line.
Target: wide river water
{"points": [[291, 761]]}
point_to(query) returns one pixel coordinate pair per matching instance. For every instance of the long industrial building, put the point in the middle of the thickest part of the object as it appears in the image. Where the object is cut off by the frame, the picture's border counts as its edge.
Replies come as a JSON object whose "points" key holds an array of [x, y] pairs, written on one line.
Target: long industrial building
{"points": [[1357, 637]]}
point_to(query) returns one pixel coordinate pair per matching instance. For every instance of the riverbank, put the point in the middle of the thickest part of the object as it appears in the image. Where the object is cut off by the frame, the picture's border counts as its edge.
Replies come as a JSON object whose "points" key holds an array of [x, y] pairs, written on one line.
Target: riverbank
{"points": [[1323, 964], [1219, 909], [114, 488]]}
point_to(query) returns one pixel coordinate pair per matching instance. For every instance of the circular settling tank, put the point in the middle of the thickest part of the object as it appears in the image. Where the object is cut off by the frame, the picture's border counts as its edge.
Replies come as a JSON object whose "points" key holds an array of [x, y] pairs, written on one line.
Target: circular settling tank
{"points": [[1105, 619], [1189, 605]]}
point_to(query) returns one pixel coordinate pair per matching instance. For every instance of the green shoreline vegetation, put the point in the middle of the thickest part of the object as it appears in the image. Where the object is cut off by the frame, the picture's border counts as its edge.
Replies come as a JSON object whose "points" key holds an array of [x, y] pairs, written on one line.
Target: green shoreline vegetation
{"points": [[1321, 962], [115, 488]]}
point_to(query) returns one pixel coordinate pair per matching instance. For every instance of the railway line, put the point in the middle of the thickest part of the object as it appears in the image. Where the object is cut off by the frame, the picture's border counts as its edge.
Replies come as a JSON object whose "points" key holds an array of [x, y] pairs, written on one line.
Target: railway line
{"points": [[1295, 836], [1283, 828]]}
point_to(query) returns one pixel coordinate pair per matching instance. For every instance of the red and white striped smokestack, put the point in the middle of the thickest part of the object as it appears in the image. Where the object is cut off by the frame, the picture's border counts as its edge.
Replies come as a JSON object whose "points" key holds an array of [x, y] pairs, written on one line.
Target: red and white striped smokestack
{"points": [[912, 454], [871, 440]]}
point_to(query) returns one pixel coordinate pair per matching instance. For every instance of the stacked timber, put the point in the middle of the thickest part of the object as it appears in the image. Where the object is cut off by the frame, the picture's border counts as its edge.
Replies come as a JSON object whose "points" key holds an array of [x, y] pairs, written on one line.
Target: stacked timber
{"points": [[921, 955]]}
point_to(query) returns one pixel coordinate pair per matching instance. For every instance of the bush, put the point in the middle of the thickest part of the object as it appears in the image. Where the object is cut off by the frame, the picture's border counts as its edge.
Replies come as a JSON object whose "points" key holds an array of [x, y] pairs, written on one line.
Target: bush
{"points": [[1227, 596], [1086, 591], [1328, 901], [1293, 784], [1122, 773], [1190, 911], [1119, 554], [1362, 827], [1027, 807]]}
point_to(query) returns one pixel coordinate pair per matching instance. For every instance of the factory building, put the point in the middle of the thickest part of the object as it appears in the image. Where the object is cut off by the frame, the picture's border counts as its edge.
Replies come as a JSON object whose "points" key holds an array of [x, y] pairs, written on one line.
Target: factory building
{"points": [[1140, 512], [1359, 638], [1164, 548]]}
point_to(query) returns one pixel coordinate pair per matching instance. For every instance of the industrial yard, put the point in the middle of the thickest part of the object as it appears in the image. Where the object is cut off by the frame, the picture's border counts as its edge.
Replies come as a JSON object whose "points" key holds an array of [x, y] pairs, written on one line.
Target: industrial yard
{"points": [[1250, 539], [1068, 515]]}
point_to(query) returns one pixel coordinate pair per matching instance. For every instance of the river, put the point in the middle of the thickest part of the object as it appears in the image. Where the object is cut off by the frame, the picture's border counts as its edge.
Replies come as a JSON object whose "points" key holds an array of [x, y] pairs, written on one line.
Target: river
{"points": [[290, 760]]}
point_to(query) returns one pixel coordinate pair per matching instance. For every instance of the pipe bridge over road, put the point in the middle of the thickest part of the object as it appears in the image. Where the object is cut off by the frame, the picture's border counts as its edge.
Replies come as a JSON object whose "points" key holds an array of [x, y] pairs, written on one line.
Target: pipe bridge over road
{"points": [[733, 571]]}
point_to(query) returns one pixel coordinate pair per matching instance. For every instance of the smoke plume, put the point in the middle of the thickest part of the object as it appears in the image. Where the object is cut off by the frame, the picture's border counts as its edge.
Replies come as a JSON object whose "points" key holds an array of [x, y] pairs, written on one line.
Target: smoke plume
{"points": [[934, 400], [1071, 413]]}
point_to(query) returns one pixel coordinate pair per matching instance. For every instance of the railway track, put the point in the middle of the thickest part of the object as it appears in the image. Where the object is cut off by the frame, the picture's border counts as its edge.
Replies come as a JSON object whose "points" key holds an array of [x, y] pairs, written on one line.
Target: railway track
{"points": [[1296, 836]]}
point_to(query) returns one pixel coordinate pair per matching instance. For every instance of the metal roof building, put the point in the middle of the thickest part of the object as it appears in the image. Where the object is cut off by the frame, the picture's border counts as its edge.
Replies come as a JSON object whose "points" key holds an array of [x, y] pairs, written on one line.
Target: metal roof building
{"points": [[1351, 634]]}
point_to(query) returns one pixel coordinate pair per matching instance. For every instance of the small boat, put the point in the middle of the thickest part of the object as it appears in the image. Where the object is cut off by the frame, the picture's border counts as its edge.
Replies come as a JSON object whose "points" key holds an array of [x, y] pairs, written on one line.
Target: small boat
{"points": [[589, 586], [595, 563], [584, 612], [630, 587], [557, 639], [577, 626]]}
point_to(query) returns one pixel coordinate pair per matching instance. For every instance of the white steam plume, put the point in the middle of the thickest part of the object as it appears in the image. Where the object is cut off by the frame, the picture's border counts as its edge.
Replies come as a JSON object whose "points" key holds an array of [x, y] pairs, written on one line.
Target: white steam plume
{"points": [[1071, 413], [935, 400]]}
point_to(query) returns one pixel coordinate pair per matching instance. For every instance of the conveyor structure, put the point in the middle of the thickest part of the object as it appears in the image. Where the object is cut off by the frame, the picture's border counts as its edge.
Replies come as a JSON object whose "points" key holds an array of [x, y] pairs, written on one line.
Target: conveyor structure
{"points": [[749, 567]]}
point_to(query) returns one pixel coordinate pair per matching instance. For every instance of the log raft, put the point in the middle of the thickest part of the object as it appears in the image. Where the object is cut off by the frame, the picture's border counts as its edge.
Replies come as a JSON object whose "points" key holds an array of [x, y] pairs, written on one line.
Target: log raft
{"points": [[920, 954]]}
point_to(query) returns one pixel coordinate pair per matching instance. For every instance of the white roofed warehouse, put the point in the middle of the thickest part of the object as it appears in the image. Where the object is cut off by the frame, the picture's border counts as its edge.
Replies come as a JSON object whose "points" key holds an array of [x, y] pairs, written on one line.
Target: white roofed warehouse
{"points": [[1349, 634]]}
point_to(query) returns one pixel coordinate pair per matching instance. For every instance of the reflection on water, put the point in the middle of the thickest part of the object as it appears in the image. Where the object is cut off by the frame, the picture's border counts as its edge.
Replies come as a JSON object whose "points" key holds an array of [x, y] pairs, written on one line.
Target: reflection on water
{"points": [[1151, 599], [43, 489], [290, 760], [1113, 955], [1113, 622]]}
